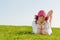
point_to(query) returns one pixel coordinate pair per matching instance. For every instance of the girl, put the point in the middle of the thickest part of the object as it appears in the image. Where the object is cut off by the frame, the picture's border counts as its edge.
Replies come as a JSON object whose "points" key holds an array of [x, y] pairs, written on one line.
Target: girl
{"points": [[42, 23]]}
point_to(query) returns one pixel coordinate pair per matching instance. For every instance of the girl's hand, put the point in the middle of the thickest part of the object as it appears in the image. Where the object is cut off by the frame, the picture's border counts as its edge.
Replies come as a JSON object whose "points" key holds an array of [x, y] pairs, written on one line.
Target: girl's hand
{"points": [[38, 22], [42, 24]]}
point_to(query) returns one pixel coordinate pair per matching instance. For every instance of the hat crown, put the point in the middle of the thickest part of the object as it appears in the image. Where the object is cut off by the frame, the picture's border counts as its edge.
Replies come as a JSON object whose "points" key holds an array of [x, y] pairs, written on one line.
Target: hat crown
{"points": [[42, 12]]}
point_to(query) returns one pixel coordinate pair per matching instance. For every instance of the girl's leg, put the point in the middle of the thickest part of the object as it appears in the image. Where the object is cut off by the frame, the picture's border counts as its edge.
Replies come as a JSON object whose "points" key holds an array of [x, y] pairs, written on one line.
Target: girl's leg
{"points": [[50, 13]]}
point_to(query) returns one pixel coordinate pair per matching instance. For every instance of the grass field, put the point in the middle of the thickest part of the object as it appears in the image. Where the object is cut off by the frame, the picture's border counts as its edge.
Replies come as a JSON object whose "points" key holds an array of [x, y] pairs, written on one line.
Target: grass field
{"points": [[24, 33]]}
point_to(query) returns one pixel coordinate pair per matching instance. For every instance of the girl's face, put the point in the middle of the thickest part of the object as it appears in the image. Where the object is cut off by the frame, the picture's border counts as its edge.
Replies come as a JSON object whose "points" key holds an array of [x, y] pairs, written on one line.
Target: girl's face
{"points": [[41, 18]]}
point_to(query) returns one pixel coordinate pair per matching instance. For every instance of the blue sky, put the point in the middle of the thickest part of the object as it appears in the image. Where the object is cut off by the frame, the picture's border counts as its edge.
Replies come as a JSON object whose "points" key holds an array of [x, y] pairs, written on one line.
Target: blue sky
{"points": [[21, 12]]}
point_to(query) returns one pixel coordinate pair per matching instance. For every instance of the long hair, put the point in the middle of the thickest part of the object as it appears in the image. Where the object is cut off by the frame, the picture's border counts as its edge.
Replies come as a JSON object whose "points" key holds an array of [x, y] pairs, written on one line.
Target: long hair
{"points": [[36, 18]]}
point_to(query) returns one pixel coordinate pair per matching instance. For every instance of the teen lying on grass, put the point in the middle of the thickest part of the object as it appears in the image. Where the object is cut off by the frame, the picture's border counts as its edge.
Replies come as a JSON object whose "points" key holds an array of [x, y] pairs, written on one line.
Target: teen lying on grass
{"points": [[42, 23]]}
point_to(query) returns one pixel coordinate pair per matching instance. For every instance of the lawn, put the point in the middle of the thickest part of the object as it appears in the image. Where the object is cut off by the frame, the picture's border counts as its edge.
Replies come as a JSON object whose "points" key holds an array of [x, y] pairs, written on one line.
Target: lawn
{"points": [[24, 33]]}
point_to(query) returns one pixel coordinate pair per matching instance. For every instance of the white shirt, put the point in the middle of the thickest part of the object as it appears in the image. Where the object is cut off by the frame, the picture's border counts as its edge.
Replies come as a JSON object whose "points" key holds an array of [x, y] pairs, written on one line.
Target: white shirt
{"points": [[46, 26]]}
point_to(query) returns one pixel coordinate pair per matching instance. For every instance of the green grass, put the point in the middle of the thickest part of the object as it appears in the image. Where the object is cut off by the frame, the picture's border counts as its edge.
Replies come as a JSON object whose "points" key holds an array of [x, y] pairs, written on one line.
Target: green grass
{"points": [[24, 33]]}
